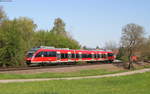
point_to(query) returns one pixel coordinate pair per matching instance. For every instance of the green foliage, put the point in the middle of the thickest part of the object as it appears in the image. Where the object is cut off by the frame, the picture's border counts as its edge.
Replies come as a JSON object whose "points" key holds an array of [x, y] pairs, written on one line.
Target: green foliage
{"points": [[15, 40], [19, 35], [47, 38], [122, 54], [57, 37], [10, 43], [59, 27]]}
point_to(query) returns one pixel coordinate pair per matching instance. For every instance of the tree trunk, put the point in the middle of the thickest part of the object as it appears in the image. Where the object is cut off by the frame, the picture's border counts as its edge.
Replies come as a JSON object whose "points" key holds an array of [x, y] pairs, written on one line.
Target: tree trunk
{"points": [[130, 66]]}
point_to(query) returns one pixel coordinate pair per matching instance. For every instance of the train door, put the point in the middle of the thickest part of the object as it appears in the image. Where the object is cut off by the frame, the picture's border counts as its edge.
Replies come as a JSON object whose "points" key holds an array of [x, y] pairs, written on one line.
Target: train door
{"points": [[92, 56], [106, 56], [80, 56], [100, 56], [69, 56], [58, 56]]}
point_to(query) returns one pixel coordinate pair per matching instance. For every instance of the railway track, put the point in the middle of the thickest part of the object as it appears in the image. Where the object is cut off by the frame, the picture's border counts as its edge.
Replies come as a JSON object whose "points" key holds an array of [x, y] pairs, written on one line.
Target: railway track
{"points": [[48, 66]]}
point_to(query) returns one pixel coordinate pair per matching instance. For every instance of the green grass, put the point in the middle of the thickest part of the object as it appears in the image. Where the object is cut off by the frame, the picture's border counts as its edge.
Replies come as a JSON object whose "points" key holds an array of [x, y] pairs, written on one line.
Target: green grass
{"points": [[58, 75], [147, 66], [133, 84]]}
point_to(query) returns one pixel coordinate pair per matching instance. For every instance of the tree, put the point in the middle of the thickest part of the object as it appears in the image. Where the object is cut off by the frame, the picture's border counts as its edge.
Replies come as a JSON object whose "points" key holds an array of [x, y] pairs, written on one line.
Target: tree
{"points": [[84, 47], [121, 54], [11, 44], [15, 39], [42, 37], [59, 27], [26, 27], [60, 37], [19, 35], [97, 47], [110, 45], [2, 14], [132, 37], [145, 54]]}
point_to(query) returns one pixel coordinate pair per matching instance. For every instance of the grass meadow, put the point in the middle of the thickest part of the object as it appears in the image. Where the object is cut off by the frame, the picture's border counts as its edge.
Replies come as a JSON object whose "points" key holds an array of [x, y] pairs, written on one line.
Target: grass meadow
{"points": [[59, 75], [131, 84]]}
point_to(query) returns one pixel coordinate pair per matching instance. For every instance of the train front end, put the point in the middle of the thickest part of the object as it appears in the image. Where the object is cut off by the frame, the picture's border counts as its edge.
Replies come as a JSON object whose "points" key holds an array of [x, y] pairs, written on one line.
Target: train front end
{"points": [[29, 55]]}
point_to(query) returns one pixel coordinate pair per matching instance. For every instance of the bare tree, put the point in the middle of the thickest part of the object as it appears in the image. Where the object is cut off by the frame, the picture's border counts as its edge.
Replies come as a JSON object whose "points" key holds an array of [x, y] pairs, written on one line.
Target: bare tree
{"points": [[2, 14], [110, 45], [97, 47], [145, 54], [132, 37]]}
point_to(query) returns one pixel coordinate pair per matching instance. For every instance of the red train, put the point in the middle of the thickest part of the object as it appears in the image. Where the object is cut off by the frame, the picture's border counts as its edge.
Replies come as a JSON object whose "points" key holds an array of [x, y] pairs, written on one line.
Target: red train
{"points": [[44, 54]]}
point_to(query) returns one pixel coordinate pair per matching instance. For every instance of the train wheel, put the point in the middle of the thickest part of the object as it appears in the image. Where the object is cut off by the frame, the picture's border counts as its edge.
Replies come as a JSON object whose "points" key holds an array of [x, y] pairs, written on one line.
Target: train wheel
{"points": [[28, 63], [42, 64]]}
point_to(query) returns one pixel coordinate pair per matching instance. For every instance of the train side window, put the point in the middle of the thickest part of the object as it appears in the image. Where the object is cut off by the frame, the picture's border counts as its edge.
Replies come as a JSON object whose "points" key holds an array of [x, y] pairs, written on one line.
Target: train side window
{"points": [[89, 55], [66, 55], [110, 54], [94, 55], [102, 55], [97, 55], [80, 56], [77, 55], [62, 55], [84, 56], [51, 54], [73, 55], [58, 56], [45, 54], [39, 54]]}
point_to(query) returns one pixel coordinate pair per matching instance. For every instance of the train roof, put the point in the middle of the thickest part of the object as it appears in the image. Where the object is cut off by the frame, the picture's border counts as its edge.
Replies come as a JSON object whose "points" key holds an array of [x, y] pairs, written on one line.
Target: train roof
{"points": [[66, 49]]}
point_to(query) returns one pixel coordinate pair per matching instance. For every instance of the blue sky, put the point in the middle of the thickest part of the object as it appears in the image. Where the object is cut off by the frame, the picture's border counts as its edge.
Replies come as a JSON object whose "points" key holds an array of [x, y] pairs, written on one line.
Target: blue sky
{"points": [[91, 22]]}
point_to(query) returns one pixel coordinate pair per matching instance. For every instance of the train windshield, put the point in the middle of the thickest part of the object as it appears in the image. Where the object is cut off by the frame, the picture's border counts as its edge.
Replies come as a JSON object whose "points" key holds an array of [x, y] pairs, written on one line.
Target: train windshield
{"points": [[110, 54], [32, 51], [30, 54]]}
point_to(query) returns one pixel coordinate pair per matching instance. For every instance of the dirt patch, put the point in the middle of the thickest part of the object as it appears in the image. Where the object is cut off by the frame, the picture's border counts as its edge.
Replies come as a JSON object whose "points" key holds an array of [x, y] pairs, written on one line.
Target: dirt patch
{"points": [[109, 67]]}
